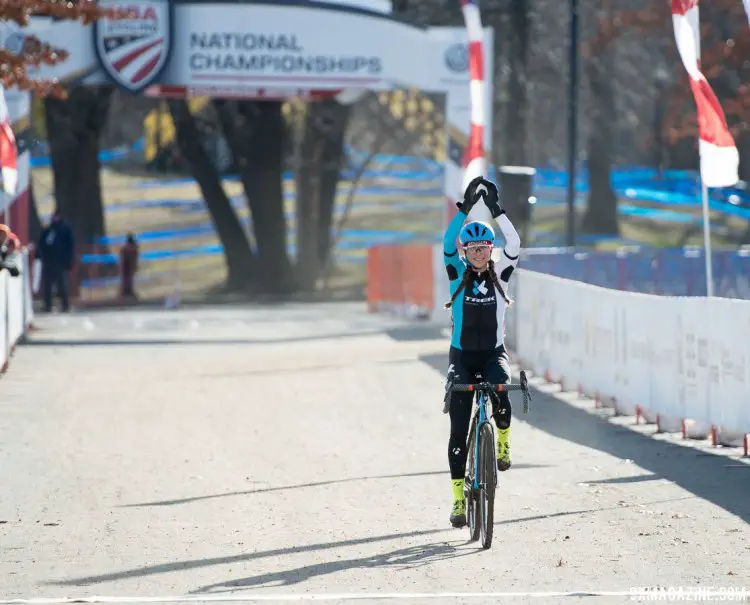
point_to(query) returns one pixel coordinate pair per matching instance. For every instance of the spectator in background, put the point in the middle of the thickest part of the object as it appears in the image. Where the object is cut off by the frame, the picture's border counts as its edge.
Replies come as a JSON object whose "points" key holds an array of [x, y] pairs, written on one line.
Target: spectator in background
{"points": [[128, 267], [9, 247], [56, 249]]}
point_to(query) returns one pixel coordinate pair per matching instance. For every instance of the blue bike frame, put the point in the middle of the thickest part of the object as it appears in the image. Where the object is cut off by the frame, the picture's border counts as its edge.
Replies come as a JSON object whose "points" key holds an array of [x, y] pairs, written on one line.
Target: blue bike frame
{"points": [[482, 388], [482, 405]]}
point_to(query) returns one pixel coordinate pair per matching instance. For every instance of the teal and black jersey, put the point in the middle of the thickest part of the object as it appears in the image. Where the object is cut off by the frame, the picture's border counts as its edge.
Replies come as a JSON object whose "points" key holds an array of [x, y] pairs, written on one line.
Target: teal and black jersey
{"points": [[479, 311]]}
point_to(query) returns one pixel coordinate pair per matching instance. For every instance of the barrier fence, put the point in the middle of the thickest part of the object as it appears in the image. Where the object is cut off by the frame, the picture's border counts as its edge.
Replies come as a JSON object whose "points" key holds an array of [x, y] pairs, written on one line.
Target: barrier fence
{"points": [[16, 309], [679, 358], [676, 361], [668, 271], [408, 272]]}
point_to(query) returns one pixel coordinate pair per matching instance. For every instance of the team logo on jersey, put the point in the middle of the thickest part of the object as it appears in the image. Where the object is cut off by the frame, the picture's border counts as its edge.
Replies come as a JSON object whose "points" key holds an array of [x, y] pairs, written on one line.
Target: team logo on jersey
{"points": [[134, 51], [480, 288]]}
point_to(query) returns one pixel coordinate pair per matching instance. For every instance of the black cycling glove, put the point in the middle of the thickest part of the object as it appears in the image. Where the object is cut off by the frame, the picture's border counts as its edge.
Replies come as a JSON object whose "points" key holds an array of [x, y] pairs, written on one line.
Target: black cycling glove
{"points": [[470, 197], [492, 199]]}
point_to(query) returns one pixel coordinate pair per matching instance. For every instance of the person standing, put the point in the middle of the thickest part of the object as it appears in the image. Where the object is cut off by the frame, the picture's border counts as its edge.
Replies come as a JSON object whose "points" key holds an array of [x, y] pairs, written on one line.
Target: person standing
{"points": [[56, 249], [128, 267]]}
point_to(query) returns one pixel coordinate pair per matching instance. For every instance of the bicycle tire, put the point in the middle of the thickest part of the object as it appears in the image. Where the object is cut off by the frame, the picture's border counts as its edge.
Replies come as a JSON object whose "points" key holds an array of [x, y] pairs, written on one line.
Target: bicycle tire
{"points": [[472, 502], [487, 465]]}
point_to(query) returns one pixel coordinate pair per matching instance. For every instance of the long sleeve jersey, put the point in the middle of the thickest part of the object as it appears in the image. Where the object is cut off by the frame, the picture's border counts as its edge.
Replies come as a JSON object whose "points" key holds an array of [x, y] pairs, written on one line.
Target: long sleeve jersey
{"points": [[479, 311]]}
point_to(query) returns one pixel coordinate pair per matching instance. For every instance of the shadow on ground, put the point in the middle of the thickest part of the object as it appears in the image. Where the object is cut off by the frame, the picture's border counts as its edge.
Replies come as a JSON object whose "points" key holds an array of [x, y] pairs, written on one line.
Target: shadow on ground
{"points": [[413, 556], [151, 342], [264, 490], [175, 566], [403, 558]]}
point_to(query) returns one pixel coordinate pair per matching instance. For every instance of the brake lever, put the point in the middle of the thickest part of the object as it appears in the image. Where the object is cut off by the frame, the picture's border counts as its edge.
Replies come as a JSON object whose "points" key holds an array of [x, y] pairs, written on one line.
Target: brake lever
{"points": [[525, 391]]}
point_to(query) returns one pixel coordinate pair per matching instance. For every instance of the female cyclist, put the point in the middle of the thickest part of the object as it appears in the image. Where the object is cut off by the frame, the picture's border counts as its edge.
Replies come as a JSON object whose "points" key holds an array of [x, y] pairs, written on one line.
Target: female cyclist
{"points": [[477, 341]]}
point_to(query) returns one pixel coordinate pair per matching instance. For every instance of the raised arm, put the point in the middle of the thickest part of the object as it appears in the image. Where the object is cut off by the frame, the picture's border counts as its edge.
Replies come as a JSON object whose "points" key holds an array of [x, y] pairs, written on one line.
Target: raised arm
{"points": [[451, 233], [453, 263], [508, 260]]}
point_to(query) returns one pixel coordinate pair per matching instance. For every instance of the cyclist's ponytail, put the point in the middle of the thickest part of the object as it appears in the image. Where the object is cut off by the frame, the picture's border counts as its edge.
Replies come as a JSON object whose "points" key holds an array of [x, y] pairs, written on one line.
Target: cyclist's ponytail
{"points": [[496, 281], [462, 285]]}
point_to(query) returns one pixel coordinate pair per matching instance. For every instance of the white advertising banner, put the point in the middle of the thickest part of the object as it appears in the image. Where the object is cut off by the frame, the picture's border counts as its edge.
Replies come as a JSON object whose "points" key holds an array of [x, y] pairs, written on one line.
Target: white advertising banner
{"points": [[15, 315], [231, 46], [727, 356], [682, 358], [4, 340], [267, 49]]}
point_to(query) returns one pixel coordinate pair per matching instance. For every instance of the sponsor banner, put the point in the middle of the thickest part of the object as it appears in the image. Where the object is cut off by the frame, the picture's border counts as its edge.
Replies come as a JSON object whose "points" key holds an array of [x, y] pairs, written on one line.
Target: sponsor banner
{"points": [[238, 92], [682, 358], [257, 46]]}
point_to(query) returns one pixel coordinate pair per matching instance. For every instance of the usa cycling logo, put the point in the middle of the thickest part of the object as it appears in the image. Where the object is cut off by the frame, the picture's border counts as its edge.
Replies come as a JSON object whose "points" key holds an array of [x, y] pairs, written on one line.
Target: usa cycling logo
{"points": [[134, 51]]}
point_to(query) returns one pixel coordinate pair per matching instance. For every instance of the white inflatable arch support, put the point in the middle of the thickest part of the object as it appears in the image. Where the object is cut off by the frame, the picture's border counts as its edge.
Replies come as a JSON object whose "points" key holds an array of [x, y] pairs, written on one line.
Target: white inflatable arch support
{"points": [[272, 49]]}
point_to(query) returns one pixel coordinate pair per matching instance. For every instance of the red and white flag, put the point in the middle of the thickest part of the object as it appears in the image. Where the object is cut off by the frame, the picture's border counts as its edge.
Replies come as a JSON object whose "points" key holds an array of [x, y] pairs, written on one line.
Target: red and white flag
{"points": [[473, 161], [719, 158], [8, 154]]}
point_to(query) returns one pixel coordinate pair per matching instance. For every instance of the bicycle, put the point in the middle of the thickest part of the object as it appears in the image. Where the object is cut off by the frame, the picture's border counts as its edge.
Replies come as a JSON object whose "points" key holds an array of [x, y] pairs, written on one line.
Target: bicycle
{"points": [[481, 478]]}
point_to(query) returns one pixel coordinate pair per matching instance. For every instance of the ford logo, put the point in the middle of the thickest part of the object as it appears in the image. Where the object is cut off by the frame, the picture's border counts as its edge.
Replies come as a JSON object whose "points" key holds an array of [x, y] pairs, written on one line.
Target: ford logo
{"points": [[457, 58]]}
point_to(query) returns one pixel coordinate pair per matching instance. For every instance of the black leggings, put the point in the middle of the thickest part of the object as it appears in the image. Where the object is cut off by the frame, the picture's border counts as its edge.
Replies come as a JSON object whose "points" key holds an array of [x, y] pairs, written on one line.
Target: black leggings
{"points": [[495, 367]]}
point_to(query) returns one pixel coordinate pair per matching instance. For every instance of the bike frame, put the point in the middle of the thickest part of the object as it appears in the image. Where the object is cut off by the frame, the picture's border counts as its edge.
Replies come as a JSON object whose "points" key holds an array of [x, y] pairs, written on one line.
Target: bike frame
{"points": [[483, 400]]}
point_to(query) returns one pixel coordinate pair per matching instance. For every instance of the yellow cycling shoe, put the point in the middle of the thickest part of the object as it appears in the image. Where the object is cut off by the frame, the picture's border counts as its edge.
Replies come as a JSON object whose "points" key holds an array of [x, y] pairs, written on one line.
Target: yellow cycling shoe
{"points": [[458, 512], [503, 449]]}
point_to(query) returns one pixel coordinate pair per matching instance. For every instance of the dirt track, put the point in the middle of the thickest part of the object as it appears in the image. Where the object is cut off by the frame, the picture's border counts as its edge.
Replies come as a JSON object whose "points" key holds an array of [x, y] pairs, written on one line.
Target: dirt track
{"points": [[277, 451]]}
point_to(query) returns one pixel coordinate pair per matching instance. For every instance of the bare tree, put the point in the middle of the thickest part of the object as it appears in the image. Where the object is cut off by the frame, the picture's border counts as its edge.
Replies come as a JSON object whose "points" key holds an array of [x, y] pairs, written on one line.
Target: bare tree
{"points": [[321, 156], [255, 132], [73, 128], [238, 256]]}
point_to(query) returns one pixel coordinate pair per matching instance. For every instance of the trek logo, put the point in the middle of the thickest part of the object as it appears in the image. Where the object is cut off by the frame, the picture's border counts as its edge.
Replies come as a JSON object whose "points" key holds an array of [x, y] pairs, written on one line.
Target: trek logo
{"points": [[480, 288], [484, 301]]}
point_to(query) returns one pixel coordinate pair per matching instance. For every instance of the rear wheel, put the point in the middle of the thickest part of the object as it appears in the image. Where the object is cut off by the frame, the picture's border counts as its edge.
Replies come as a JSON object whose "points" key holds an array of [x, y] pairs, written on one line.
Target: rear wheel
{"points": [[487, 476]]}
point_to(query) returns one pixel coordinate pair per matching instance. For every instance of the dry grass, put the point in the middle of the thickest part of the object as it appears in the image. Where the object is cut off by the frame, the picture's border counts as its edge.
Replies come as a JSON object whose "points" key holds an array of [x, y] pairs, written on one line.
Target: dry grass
{"points": [[201, 277]]}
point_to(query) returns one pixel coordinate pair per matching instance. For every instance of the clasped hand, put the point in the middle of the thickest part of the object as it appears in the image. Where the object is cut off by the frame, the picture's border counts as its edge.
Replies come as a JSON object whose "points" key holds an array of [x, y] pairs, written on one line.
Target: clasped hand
{"points": [[481, 188]]}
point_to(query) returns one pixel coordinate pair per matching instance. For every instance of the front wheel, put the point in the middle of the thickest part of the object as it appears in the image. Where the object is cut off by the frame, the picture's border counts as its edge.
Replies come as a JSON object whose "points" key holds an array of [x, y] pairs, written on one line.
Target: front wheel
{"points": [[472, 502], [487, 467]]}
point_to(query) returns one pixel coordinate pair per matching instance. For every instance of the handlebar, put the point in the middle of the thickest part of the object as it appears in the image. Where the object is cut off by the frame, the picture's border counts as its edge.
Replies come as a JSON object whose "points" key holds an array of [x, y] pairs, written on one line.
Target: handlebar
{"points": [[522, 386], [487, 386]]}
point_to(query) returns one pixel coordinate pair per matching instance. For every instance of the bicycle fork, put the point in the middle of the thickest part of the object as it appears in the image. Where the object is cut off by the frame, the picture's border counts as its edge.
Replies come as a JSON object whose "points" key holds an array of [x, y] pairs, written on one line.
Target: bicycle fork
{"points": [[480, 419]]}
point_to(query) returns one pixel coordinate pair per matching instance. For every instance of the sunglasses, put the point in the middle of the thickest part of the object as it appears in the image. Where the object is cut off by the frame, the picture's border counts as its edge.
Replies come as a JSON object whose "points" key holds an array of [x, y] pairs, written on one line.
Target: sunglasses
{"points": [[478, 247]]}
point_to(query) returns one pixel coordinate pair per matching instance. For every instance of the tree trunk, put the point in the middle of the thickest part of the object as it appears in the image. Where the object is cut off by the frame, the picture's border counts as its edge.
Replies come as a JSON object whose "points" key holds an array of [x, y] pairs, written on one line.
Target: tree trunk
{"points": [[743, 145], [601, 212], [35, 223], [332, 164], [255, 132], [317, 177], [237, 253], [308, 201], [73, 128]]}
